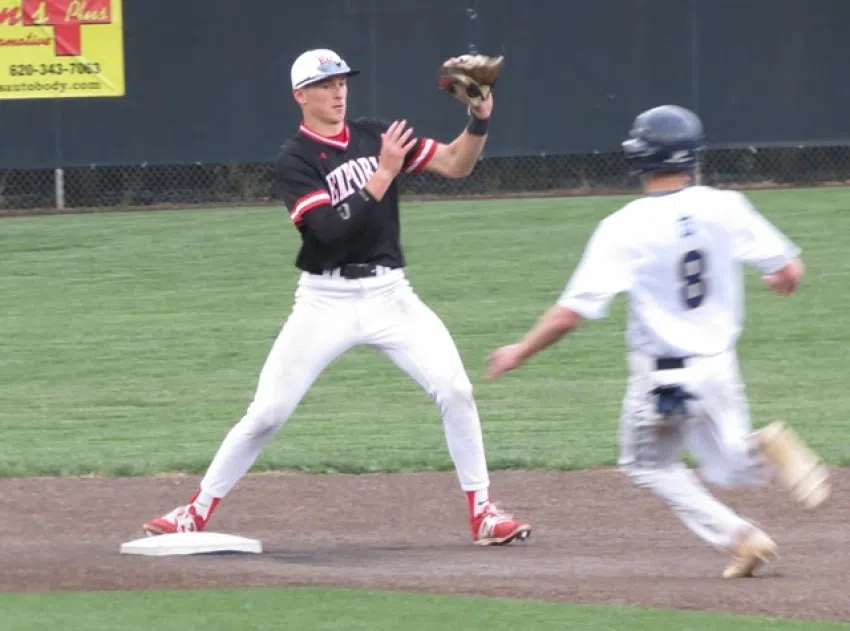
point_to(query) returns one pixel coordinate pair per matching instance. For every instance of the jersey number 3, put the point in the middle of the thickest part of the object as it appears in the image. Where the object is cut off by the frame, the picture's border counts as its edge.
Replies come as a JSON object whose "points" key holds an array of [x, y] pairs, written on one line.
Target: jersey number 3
{"points": [[693, 276]]}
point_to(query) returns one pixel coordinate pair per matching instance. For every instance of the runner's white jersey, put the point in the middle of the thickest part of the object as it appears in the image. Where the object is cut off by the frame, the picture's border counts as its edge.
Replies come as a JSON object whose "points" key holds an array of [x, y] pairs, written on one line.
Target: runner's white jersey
{"points": [[679, 258]]}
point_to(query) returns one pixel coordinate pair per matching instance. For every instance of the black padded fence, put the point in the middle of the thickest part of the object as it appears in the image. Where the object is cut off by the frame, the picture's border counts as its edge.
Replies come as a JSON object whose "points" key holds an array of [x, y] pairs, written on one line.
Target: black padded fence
{"points": [[208, 102]]}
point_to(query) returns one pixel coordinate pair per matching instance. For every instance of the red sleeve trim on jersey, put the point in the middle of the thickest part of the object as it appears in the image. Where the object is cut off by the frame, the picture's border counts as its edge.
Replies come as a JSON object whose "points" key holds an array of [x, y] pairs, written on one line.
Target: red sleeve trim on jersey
{"points": [[307, 203], [424, 152]]}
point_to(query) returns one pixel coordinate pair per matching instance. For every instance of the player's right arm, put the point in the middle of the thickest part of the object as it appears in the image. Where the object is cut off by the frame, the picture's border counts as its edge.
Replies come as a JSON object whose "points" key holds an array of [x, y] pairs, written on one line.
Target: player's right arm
{"points": [[306, 196], [759, 243], [603, 272]]}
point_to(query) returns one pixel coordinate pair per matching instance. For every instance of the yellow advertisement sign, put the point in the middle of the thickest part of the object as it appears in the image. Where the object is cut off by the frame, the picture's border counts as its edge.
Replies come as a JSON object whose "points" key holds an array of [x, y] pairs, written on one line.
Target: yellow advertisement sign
{"points": [[61, 49]]}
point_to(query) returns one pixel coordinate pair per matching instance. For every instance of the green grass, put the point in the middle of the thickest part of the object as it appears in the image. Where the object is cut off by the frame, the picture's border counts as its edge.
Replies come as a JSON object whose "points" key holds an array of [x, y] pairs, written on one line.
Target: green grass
{"points": [[343, 610], [131, 342]]}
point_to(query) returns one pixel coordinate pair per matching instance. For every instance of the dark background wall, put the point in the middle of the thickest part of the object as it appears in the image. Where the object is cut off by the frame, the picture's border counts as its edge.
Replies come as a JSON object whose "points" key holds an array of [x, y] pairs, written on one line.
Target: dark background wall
{"points": [[208, 80]]}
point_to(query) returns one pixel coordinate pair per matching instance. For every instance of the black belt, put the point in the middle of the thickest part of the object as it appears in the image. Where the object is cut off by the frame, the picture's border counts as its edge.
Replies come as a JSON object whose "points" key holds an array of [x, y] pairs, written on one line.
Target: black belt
{"points": [[353, 271], [669, 363]]}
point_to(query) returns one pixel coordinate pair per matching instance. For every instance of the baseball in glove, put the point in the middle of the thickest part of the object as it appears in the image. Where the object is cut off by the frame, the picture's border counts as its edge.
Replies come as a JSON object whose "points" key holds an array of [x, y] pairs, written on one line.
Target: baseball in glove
{"points": [[470, 77]]}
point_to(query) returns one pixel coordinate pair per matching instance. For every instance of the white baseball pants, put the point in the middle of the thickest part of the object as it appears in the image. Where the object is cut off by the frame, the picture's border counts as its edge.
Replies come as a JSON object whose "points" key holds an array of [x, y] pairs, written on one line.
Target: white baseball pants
{"points": [[717, 433], [330, 316]]}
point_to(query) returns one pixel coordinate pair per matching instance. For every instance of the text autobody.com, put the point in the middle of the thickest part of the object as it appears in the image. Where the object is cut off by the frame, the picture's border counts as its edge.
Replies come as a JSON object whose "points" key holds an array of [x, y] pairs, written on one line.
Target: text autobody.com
{"points": [[57, 87]]}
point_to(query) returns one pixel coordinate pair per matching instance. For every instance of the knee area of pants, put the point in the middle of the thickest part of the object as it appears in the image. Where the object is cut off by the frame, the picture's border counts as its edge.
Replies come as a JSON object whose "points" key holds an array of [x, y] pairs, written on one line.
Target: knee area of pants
{"points": [[723, 479], [635, 473], [737, 475], [456, 388], [266, 419], [643, 476]]}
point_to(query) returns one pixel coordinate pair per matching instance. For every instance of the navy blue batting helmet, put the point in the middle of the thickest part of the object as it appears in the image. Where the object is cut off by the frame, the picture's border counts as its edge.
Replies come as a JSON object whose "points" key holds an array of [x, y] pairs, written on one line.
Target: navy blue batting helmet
{"points": [[664, 138]]}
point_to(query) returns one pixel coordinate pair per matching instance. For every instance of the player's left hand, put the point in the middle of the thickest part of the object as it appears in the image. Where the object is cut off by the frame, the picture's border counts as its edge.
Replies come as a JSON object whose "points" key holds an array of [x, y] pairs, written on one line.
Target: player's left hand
{"points": [[503, 360], [485, 109]]}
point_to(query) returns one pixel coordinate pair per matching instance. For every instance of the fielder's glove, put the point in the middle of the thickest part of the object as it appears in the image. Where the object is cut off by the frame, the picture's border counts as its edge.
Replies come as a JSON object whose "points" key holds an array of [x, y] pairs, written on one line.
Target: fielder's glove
{"points": [[470, 77]]}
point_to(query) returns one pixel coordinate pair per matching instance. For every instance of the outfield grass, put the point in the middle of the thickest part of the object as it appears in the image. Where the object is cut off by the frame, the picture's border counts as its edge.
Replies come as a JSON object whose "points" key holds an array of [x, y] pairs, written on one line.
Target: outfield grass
{"points": [[343, 610], [132, 341]]}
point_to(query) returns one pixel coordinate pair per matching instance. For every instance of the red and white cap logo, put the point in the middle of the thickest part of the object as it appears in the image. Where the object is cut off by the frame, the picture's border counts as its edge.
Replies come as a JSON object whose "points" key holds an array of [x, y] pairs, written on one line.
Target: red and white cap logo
{"points": [[317, 65]]}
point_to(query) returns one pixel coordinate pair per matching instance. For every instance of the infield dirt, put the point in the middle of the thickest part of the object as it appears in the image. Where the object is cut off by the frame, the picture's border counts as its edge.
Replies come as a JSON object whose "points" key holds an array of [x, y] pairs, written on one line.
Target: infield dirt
{"points": [[596, 539]]}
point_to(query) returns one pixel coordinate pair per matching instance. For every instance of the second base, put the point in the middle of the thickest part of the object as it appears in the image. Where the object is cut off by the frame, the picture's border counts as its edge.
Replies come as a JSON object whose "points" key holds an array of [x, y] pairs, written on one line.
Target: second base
{"points": [[191, 543]]}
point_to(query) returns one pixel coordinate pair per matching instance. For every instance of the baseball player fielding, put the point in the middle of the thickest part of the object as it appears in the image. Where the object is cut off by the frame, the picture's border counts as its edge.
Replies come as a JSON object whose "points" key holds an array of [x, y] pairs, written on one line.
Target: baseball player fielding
{"points": [[338, 180]]}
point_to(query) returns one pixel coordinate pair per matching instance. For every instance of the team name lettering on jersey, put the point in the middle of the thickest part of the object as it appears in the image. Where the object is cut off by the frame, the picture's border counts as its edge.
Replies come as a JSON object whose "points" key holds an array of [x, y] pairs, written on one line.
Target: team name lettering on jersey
{"points": [[344, 180]]}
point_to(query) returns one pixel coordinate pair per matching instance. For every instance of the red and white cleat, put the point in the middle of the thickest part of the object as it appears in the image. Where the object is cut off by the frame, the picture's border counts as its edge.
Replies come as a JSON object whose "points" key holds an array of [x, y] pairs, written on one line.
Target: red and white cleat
{"points": [[181, 519], [495, 527]]}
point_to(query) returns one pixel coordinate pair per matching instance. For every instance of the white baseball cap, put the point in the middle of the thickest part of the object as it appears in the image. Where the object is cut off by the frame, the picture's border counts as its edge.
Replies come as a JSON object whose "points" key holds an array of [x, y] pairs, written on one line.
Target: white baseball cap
{"points": [[318, 64]]}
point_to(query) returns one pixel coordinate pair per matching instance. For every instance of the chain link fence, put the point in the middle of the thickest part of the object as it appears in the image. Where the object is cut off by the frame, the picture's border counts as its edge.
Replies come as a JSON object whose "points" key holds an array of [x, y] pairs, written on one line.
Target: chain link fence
{"points": [[148, 186]]}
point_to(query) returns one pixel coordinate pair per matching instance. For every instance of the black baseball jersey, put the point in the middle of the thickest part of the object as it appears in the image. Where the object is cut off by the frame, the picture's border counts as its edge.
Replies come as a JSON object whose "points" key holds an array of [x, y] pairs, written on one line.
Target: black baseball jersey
{"points": [[315, 177]]}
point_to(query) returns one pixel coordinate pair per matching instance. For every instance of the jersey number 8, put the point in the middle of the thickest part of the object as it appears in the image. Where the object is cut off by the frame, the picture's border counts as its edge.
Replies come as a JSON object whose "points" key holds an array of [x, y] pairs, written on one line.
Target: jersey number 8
{"points": [[693, 275]]}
